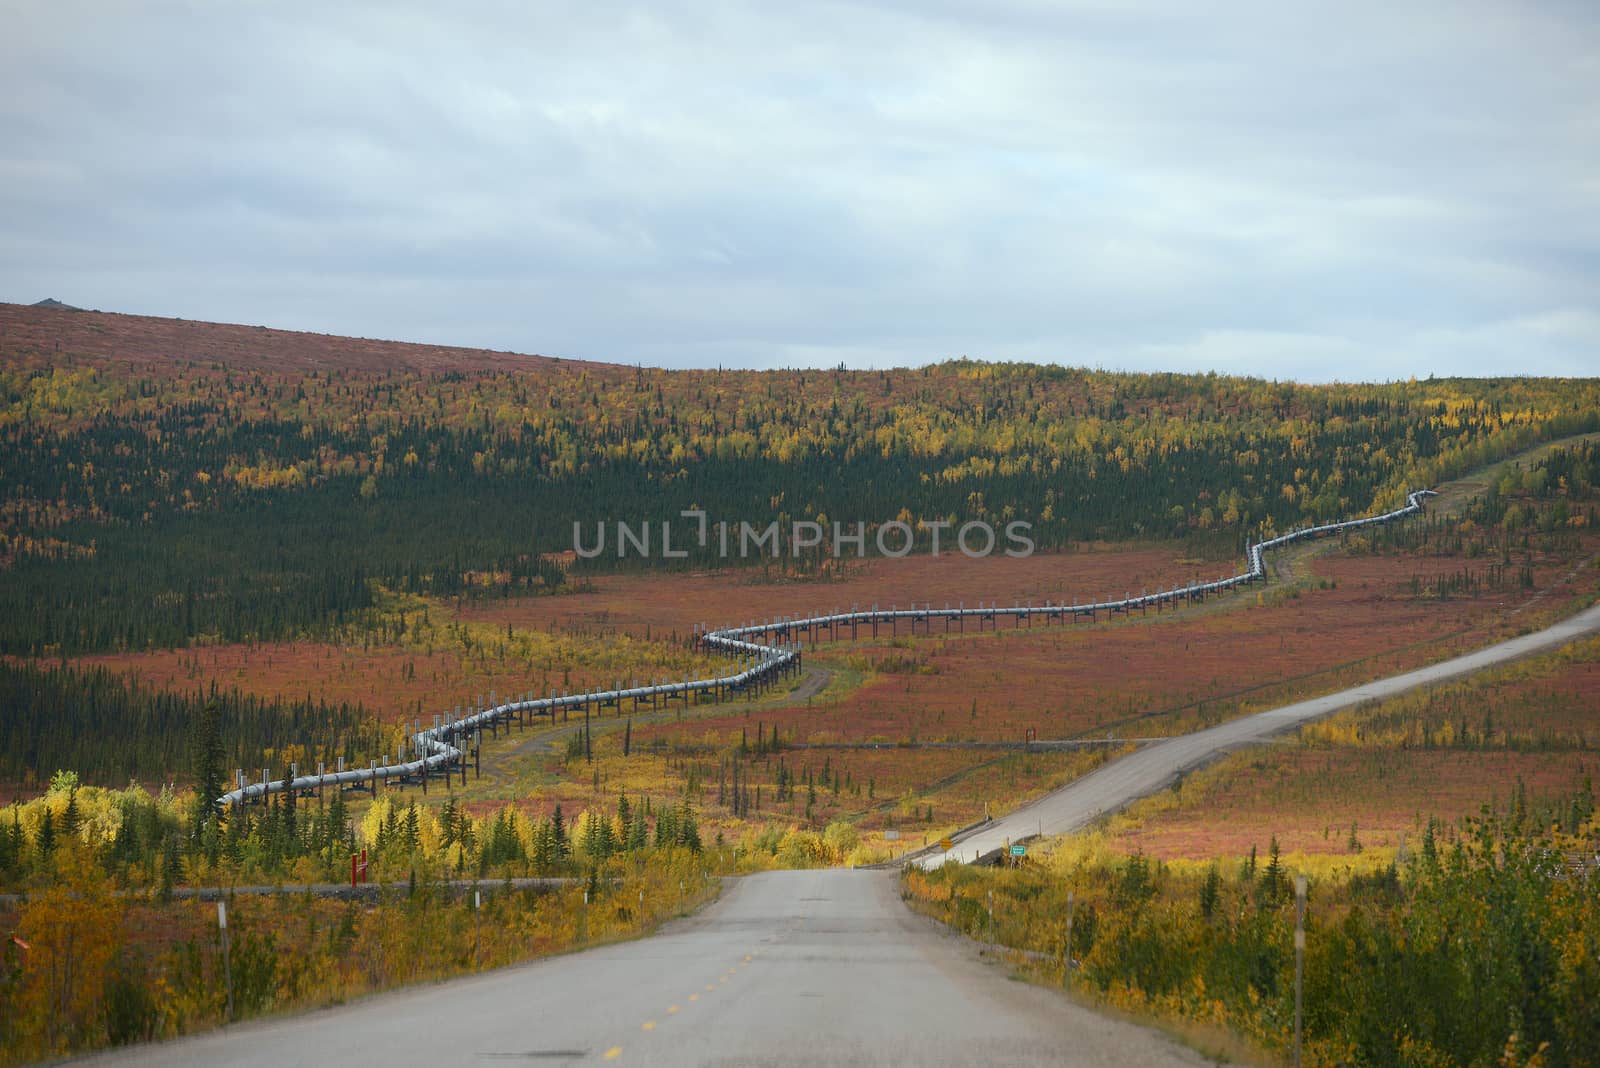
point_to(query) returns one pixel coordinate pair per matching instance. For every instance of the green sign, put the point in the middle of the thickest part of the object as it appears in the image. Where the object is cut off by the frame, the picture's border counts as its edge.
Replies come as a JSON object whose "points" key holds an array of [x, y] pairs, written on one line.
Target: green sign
{"points": [[1019, 850]]}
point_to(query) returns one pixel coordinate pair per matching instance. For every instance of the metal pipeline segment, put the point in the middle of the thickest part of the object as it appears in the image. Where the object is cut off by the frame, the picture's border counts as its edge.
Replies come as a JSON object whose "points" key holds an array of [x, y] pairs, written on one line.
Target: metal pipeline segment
{"points": [[769, 658]]}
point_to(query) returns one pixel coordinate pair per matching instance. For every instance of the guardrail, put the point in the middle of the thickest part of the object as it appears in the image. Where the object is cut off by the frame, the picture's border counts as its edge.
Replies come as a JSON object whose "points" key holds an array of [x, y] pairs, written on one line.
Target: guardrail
{"points": [[778, 652]]}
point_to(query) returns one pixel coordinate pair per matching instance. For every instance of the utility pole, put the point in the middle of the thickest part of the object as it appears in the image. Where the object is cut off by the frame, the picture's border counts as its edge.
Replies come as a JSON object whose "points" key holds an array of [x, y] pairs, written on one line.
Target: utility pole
{"points": [[1299, 959]]}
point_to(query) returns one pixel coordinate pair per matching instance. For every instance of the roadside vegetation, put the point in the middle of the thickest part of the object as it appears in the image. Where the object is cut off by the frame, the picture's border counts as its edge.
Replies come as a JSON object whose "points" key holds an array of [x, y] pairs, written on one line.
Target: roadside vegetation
{"points": [[104, 945], [1449, 837], [1481, 948]]}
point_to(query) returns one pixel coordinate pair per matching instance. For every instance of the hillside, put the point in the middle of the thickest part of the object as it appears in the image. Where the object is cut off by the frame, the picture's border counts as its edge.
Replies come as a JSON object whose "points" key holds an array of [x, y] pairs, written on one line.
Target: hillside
{"points": [[167, 480], [60, 332]]}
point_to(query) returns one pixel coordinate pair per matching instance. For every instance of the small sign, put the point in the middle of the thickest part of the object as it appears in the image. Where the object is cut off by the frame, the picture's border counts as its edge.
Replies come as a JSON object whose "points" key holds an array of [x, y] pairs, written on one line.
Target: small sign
{"points": [[946, 844], [222, 914], [1019, 850], [891, 836]]}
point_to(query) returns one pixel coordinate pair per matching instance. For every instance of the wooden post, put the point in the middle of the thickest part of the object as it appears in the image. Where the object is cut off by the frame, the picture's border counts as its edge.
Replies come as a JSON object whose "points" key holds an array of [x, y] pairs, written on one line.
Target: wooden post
{"points": [[1066, 971], [1299, 959], [227, 966]]}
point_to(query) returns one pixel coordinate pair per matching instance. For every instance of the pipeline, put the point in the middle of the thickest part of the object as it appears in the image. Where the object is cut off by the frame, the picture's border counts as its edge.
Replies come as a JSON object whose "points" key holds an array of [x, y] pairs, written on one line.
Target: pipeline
{"points": [[762, 659]]}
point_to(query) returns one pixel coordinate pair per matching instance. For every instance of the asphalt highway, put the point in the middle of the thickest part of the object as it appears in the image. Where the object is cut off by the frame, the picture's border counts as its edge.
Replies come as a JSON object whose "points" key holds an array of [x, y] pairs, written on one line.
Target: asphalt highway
{"points": [[788, 968]]}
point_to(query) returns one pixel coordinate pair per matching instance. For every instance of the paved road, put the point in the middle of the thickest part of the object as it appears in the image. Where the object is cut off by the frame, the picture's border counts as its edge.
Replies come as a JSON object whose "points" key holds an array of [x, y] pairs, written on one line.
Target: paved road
{"points": [[789, 968], [1155, 766]]}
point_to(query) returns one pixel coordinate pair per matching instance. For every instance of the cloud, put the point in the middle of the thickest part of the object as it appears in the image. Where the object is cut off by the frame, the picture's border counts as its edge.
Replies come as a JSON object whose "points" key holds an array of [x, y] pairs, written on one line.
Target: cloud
{"points": [[1308, 191]]}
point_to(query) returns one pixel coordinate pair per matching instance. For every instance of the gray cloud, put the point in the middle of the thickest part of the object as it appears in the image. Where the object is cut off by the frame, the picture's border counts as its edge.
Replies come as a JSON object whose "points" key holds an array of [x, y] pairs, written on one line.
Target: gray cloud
{"points": [[1311, 191]]}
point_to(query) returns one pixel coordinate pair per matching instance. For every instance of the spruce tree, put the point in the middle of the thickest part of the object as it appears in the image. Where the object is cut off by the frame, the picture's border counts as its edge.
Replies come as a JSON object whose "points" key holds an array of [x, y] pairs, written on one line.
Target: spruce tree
{"points": [[1272, 876], [70, 818], [666, 828], [688, 828], [412, 835], [171, 866], [10, 853], [1210, 891], [338, 824], [543, 848], [45, 841], [207, 755], [290, 828]]}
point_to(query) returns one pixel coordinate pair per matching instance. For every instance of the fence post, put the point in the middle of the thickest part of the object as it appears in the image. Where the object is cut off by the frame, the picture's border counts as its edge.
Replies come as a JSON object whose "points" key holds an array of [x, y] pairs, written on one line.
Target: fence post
{"points": [[1066, 973], [227, 965], [1299, 959]]}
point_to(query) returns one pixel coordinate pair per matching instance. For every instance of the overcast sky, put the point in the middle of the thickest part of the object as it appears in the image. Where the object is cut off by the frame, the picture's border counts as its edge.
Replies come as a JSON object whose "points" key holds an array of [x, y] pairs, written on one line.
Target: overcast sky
{"points": [[1341, 191]]}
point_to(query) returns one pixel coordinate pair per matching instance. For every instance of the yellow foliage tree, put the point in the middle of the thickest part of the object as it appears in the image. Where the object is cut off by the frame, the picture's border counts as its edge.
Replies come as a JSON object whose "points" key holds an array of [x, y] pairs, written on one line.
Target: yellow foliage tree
{"points": [[71, 930]]}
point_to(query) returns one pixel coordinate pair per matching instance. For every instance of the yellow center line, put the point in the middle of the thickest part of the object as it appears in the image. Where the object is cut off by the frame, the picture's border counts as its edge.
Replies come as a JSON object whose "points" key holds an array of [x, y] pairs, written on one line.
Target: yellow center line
{"points": [[694, 997], [671, 1009], [613, 1053], [648, 1025], [710, 987]]}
